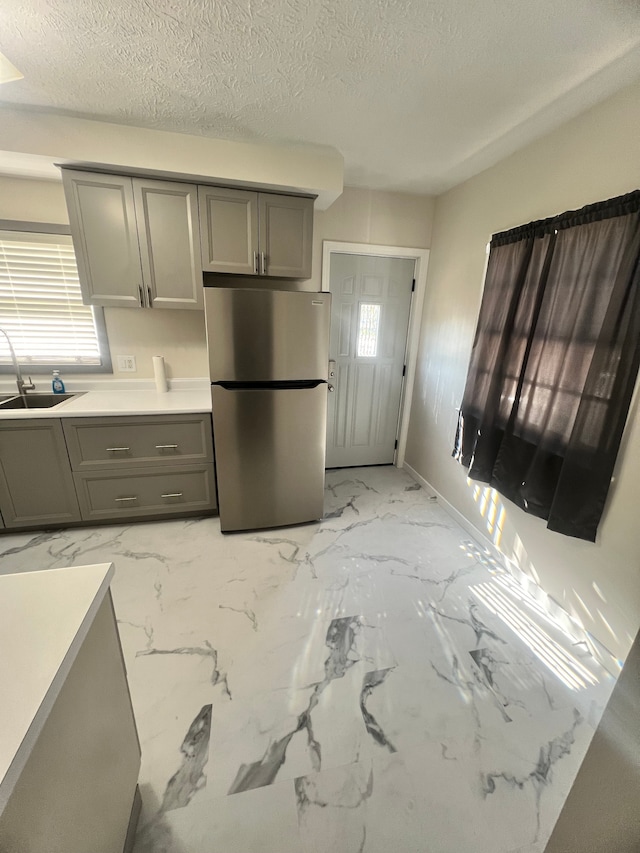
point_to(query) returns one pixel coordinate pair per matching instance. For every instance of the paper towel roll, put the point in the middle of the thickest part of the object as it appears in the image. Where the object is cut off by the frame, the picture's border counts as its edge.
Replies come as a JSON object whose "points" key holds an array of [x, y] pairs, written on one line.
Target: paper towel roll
{"points": [[159, 374]]}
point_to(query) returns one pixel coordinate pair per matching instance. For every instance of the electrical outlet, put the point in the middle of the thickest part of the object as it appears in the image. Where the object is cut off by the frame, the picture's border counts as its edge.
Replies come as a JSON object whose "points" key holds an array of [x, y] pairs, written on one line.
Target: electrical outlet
{"points": [[127, 363]]}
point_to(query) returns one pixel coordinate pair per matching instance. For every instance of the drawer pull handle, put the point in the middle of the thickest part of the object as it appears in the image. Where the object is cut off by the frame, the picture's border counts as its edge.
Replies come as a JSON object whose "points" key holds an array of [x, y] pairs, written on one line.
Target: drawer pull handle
{"points": [[166, 446], [172, 495], [114, 449], [132, 498]]}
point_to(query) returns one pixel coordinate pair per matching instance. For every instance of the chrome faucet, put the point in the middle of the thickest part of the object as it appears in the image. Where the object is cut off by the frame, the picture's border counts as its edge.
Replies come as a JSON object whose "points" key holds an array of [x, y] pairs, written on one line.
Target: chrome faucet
{"points": [[23, 386]]}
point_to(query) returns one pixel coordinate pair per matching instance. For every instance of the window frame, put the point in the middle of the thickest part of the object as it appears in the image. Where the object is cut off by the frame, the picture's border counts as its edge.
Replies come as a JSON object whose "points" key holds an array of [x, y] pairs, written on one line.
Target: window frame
{"points": [[98, 314]]}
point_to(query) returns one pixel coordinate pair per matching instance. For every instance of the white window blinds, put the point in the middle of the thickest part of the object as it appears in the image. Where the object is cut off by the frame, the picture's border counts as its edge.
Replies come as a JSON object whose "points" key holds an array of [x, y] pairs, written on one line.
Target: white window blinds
{"points": [[40, 302]]}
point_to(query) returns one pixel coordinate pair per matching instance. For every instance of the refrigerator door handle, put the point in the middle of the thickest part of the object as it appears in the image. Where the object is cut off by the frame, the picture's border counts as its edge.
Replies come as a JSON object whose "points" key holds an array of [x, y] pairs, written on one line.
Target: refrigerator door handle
{"points": [[272, 385]]}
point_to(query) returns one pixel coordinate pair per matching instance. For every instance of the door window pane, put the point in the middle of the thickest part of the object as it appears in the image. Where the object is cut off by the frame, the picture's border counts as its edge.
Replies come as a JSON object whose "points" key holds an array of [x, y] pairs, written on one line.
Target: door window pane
{"points": [[368, 330]]}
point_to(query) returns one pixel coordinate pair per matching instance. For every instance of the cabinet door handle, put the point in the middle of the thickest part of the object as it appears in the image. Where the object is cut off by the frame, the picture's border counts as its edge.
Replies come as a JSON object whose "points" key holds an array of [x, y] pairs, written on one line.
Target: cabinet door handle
{"points": [[149, 295], [131, 498], [166, 446], [119, 449], [172, 495], [255, 263], [140, 296], [263, 263]]}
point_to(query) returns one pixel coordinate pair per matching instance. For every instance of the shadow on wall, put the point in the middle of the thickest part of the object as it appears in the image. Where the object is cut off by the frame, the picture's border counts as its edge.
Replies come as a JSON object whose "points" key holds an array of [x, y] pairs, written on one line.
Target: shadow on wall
{"points": [[571, 613]]}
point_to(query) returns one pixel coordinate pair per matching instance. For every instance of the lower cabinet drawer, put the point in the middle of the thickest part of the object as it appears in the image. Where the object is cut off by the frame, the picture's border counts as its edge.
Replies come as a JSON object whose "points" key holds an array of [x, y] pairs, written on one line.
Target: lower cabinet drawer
{"points": [[149, 491], [138, 441]]}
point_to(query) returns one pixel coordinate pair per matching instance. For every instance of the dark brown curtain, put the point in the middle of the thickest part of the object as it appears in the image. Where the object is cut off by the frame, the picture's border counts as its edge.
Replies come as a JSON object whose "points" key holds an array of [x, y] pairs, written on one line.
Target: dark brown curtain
{"points": [[554, 363]]}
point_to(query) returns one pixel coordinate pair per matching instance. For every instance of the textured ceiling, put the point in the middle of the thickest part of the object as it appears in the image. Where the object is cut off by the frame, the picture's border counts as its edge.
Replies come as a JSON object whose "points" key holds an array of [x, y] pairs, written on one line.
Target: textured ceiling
{"points": [[417, 95]]}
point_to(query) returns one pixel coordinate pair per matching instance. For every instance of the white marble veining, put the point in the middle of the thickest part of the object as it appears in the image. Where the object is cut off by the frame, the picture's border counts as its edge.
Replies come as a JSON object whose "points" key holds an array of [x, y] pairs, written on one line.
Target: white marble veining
{"points": [[369, 683], [44, 619]]}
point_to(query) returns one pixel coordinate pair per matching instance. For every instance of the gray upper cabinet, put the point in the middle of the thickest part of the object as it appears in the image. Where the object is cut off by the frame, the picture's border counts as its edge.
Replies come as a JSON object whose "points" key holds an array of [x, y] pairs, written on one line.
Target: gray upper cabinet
{"points": [[167, 214], [144, 243], [105, 238], [229, 230], [254, 233], [137, 241], [286, 235], [36, 485]]}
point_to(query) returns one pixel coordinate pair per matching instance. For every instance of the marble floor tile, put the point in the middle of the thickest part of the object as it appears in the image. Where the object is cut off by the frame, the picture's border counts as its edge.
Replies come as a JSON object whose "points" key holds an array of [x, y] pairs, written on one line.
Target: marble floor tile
{"points": [[365, 807], [260, 821], [376, 681]]}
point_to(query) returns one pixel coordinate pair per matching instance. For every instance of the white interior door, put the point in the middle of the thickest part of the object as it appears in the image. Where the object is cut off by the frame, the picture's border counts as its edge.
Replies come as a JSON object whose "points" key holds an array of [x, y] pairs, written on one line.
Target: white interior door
{"points": [[371, 300]]}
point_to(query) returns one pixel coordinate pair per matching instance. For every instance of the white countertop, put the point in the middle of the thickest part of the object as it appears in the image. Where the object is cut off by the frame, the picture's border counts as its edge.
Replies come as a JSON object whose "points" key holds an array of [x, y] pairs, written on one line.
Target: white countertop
{"points": [[121, 402], [44, 619]]}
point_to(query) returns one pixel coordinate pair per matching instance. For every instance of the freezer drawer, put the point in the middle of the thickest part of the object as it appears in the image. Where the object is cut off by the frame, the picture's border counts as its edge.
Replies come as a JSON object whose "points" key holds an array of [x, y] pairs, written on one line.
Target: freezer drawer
{"points": [[266, 335], [270, 448]]}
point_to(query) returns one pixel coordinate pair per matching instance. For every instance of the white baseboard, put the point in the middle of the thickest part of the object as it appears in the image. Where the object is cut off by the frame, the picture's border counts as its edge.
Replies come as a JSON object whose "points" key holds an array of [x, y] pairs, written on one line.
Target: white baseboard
{"points": [[462, 520]]}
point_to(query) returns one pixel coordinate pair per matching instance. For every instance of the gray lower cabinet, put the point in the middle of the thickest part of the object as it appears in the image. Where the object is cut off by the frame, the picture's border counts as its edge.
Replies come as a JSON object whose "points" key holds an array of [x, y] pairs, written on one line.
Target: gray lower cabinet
{"points": [[138, 441], [62, 471], [145, 492], [142, 466], [36, 486]]}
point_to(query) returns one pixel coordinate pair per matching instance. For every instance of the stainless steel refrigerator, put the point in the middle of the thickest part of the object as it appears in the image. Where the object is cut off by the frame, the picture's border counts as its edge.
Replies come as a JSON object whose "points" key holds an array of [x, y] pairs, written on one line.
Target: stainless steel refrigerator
{"points": [[268, 362]]}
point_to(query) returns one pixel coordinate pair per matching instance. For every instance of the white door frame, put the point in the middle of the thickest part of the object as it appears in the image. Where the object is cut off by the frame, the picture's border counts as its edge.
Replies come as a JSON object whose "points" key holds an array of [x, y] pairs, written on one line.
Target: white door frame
{"points": [[421, 258]]}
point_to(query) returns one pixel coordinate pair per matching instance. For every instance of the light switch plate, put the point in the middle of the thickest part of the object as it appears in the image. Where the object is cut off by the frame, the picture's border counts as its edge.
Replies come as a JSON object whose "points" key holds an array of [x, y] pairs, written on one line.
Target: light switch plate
{"points": [[127, 363]]}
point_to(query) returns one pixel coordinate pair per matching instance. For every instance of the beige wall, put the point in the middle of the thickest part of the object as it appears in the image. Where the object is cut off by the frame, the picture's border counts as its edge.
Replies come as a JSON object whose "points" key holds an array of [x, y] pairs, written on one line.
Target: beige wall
{"points": [[360, 216], [32, 201], [32, 142], [592, 157], [370, 216]]}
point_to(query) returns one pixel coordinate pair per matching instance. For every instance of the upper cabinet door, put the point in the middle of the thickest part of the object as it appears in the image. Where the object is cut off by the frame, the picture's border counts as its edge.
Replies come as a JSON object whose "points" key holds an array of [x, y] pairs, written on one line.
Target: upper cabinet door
{"points": [[229, 230], [103, 228], [286, 235], [167, 214]]}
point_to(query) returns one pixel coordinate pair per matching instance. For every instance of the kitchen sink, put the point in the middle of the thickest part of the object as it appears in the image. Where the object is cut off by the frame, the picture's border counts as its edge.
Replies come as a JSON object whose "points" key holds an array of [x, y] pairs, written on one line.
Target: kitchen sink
{"points": [[35, 401]]}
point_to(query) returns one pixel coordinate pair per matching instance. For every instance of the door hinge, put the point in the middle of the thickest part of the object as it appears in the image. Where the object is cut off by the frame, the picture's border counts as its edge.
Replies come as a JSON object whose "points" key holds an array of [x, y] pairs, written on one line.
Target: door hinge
{"points": [[404, 369], [395, 446], [413, 285]]}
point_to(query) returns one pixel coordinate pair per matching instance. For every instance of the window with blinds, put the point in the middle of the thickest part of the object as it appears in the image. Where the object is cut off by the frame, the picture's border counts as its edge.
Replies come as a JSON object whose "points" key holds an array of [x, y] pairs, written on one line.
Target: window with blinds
{"points": [[41, 305]]}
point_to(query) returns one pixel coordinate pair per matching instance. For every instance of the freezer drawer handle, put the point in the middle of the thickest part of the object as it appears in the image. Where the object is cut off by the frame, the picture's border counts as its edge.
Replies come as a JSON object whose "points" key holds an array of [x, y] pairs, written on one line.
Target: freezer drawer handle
{"points": [[166, 446], [132, 498], [117, 449], [172, 495]]}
